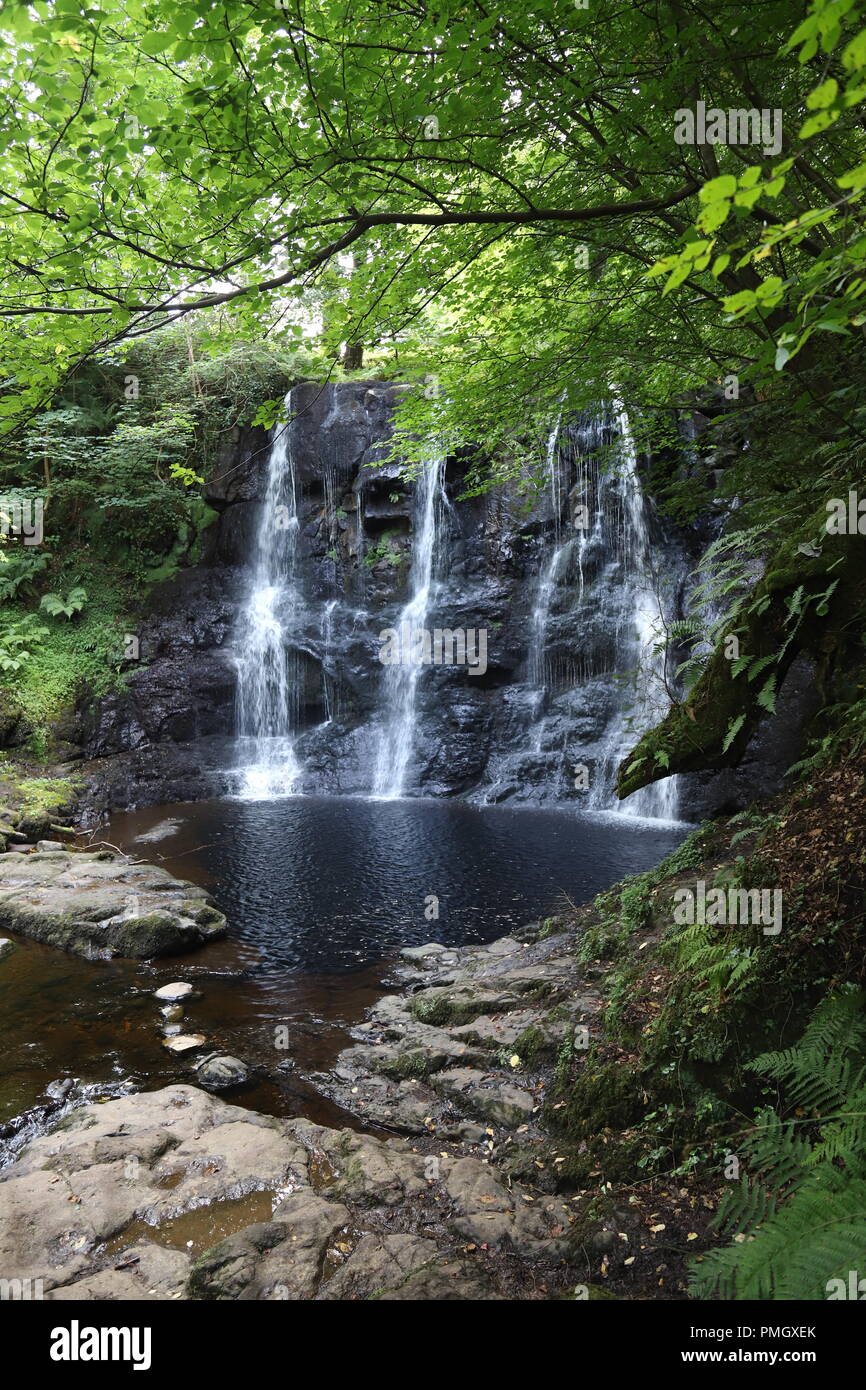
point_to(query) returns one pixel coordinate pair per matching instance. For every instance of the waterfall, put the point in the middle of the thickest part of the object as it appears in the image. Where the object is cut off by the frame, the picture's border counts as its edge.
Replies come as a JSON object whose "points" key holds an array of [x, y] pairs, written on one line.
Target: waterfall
{"points": [[400, 680], [575, 676], [267, 688], [594, 681], [538, 665], [329, 690], [540, 617], [547, 577], [640, 628]]}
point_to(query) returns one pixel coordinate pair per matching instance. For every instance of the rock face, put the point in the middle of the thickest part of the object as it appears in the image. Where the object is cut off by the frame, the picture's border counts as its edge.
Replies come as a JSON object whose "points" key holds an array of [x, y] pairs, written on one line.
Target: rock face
{"points": [[101, 905], [555, 603], [174, 1193], [463, 1050]]}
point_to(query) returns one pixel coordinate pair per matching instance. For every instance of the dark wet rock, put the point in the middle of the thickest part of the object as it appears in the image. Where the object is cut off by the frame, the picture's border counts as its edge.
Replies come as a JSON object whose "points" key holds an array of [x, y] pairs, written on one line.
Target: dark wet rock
{"points": [[222, 1072], [33, 828], [98, 904], [167, 734]]}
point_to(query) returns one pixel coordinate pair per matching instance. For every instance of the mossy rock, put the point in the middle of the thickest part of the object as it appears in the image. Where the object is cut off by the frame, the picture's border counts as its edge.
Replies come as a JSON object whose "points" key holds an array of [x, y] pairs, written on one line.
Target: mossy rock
{"points": [[606, 1095]]}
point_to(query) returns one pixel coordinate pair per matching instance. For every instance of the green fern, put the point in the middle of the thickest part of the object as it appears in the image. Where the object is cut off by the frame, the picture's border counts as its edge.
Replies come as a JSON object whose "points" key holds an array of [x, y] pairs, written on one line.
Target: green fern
{"points": [[58, 606], [798, 1220]]}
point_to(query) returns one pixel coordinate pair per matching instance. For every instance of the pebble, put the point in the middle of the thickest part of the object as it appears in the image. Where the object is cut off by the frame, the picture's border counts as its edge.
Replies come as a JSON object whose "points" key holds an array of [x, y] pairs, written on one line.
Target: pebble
{"points": [[185, 1042], [178, 990]]}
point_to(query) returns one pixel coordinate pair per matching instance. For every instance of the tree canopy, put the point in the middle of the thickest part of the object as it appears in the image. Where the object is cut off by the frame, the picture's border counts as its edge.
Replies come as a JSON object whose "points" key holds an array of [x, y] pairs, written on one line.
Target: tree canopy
{"points": [[524, 208], [506, 177]]}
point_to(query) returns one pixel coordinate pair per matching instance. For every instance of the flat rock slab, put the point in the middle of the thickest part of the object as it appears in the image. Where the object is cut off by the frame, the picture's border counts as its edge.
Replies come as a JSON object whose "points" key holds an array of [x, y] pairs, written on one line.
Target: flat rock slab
{"points": [[100, 905], [176, 1194], [432, 948], [487, 1094], [465, 1050]]}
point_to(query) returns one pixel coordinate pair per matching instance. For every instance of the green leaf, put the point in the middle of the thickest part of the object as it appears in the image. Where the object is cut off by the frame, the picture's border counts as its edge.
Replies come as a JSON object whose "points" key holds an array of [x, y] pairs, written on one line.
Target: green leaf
{"points": [[815, 124], [723, 187], [823, 96], [854, 53], [733, 729], [157, 43], [767, 696]]}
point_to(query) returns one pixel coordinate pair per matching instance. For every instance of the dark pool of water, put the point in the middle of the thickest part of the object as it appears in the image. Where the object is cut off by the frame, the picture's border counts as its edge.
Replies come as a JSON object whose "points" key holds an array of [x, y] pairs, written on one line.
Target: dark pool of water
{"points": [[320, 893]]}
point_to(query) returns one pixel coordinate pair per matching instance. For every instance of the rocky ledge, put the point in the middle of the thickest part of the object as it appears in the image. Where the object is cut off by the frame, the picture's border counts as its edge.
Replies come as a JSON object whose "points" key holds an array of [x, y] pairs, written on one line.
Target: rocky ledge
{"points": [[176, 1194], [470, 1042], [99, 904]]}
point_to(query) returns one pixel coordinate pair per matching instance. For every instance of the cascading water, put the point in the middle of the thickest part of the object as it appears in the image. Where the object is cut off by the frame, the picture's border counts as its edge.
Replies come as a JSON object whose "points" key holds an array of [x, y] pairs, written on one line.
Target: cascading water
{"points": [[537, 664], [267, 686], [594, 677], [586, 615], [400, 681], [329, 690], [547, 577], [640, 628]]}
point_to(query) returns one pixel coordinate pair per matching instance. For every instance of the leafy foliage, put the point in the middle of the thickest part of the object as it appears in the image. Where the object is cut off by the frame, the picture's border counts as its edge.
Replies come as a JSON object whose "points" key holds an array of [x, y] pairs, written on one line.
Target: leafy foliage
{"points": [[798, 1216], [67, 607], [17, 640]]}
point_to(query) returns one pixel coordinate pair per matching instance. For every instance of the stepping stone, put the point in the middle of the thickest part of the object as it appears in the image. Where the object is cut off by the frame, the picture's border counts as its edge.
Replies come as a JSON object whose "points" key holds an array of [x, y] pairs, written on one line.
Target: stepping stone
{"points": [[178, 990], [222, 1072], [185, 1042], [6, 944]]}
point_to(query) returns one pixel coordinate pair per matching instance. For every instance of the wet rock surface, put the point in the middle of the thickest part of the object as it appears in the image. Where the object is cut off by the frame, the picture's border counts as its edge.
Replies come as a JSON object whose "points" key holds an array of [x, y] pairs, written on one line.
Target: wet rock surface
{"points": [[448, 1188], [497, 736], [176, 1194], [463, 1046], [99, 904]]}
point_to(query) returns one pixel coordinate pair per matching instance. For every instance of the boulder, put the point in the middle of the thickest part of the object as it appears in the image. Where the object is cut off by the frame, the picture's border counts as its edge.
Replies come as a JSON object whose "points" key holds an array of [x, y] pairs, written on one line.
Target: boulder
{"points": [[220, 1072], [100, 904]]}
